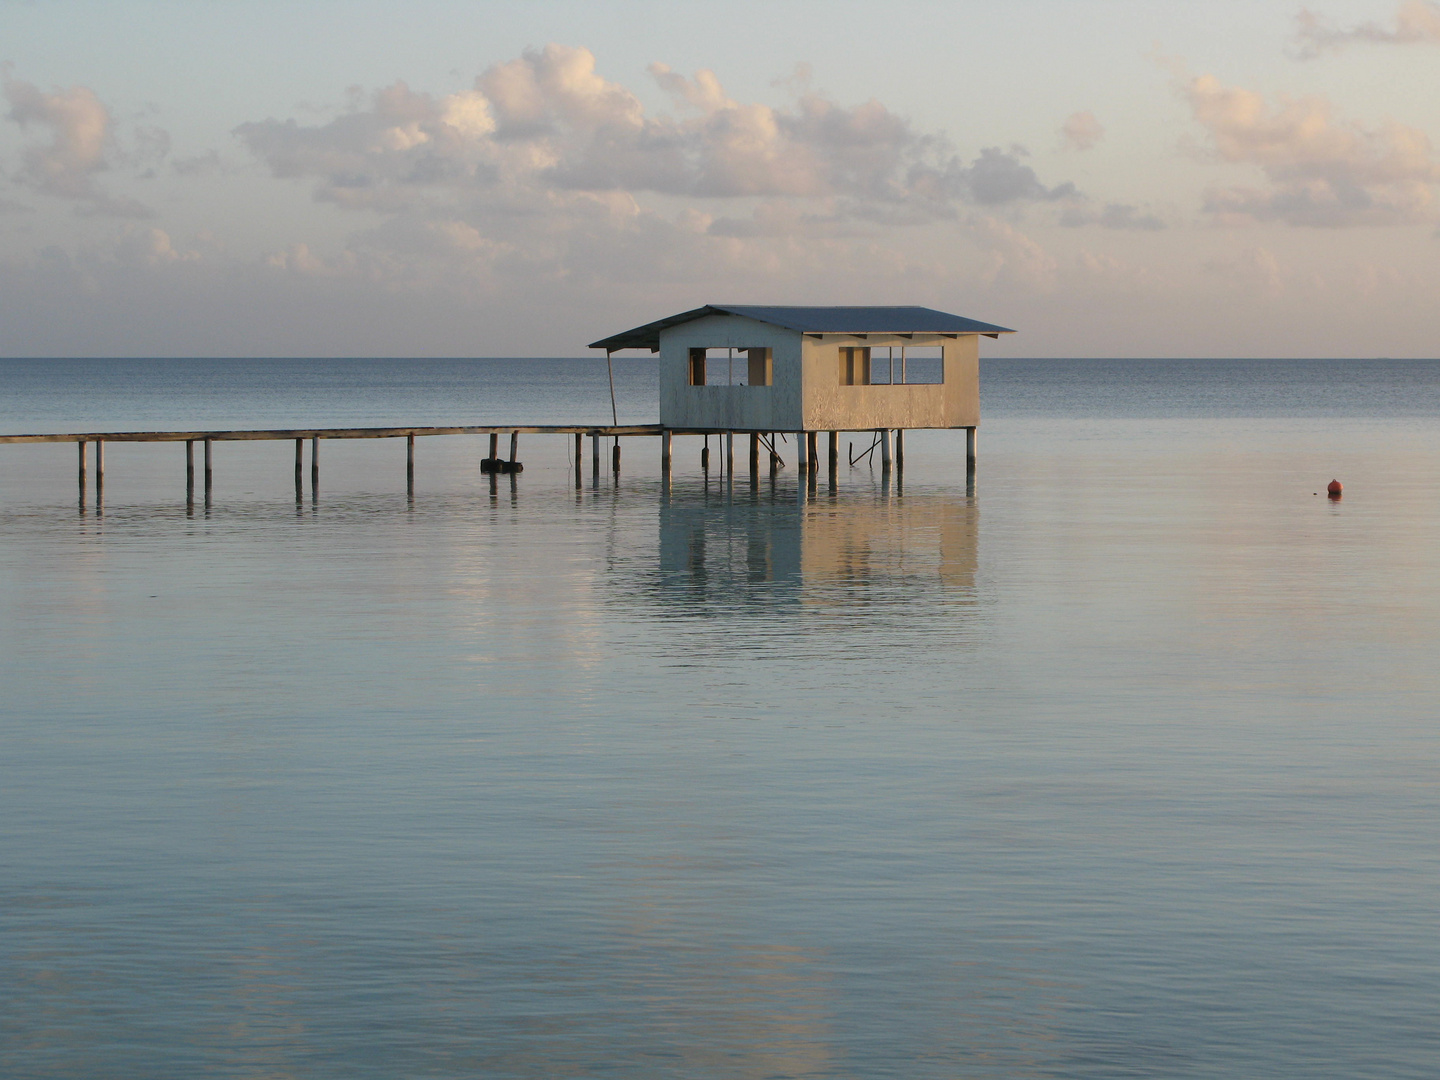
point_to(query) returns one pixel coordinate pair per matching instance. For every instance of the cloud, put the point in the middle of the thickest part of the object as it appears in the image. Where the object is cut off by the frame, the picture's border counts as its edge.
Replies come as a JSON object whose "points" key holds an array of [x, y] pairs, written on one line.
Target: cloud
{"points": [[152, 247], [1255, 267], [543, 175], [81, 146], [1111, 216], [547, 123], [1417, 22], [1081, 131], [1320, 171], [1010, 255]]}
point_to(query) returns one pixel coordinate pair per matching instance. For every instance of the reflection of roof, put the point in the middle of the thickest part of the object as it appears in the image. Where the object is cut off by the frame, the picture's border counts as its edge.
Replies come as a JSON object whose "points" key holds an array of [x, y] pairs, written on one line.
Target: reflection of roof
{"points": [[813, 320]]}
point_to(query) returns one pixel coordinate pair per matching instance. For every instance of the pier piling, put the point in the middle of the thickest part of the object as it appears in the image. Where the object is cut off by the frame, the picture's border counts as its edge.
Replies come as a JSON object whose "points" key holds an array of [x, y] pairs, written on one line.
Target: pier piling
{"points": [[207, 469], [410, 461], [81, 445], [900, 443], [885, 461], [970, 440], [802, 447]]}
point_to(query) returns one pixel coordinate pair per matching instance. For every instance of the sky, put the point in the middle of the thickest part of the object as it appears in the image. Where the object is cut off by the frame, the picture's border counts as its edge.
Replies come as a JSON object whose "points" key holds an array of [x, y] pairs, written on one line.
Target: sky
{"points": [[1107, 177]]}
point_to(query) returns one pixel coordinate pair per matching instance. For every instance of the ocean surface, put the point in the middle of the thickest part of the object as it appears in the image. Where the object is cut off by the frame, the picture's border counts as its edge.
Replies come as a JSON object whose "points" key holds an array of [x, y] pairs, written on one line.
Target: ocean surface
{"points": [[1120, 760]]}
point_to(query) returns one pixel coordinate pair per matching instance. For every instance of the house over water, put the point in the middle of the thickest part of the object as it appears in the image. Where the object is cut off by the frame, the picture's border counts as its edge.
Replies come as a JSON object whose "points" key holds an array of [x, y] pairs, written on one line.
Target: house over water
{"points": [[756, 369]]}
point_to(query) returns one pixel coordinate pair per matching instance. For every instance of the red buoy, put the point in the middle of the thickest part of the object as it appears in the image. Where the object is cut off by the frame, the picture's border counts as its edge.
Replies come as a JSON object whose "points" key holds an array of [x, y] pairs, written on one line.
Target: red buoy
{"points": [[1334, 488]]}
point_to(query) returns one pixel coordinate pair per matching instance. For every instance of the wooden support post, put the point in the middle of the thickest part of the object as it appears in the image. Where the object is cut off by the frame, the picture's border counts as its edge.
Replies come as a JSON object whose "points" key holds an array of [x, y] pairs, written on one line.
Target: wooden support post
{"points": [[615, 457], [409, 460], [970, 440], [705, 455], [99, 465], [812, 446], [730, 452], [885, 448], [900, 432], [207, 468], [494, 446], [665, 452], [834, 450], [299, 463], [595, 453], [314, 461], [774, 452], [754, 451], [579, 455], [802, 446], [514, 449], [81, 445], [189, 468]]}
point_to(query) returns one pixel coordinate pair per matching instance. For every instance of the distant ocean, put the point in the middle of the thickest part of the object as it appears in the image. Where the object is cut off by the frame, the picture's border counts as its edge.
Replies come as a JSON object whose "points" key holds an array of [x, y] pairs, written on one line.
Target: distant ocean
{"points": [[1122, 759]]}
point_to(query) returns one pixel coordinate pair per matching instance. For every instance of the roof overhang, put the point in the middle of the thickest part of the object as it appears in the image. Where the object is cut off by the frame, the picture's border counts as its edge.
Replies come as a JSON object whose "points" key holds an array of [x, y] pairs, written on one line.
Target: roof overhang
{"points": [[817, 322]]}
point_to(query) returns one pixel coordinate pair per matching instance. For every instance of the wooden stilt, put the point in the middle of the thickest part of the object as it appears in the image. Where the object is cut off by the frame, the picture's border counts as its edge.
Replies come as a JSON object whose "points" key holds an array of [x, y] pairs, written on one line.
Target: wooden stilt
{"points": [[615, 458], [754, 451], [207, 467], [705, 455], [595, 454], [900, 433], [189, 468], [665, 452], [314, 461], [885, 449], [730, 453], [834, 450], [970, 441], [579, 455], [410, 460], [99, 466], [812, 444], [802, 448], [514, 450], [81, 445]]}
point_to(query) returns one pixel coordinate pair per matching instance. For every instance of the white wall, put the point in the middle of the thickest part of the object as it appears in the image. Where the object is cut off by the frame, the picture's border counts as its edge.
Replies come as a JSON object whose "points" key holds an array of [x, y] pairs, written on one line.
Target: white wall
{"points": [[739, 408]]}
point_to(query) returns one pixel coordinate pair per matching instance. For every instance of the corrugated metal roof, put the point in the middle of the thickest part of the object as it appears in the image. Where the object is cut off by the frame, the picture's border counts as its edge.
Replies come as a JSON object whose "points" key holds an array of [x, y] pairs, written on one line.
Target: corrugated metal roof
{"points": [[813, 320]]}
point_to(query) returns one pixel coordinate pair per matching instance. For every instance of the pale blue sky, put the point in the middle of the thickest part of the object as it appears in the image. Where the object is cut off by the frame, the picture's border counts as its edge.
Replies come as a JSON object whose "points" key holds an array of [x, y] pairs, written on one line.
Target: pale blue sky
{"points": [[220, 178]]}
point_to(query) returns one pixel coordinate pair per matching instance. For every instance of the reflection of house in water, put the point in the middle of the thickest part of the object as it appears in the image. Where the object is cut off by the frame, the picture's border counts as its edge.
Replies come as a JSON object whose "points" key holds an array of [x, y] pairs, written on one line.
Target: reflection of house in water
{"points": [[880, 551]]}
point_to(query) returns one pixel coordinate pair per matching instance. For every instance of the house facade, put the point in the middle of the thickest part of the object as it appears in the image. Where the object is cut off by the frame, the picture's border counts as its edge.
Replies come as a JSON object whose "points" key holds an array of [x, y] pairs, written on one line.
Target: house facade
{"points": [[808, 369]]}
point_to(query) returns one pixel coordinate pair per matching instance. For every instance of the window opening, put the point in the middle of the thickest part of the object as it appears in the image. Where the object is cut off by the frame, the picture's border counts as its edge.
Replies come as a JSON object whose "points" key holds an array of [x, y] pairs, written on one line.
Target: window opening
{"points": [[730, 366], [892, 365]]}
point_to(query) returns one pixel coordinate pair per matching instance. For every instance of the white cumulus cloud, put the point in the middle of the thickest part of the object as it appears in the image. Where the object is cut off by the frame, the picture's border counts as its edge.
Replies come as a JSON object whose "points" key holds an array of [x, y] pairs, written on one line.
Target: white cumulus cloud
{"points": [[1319, 170], [1417, 22], [81, 145]]}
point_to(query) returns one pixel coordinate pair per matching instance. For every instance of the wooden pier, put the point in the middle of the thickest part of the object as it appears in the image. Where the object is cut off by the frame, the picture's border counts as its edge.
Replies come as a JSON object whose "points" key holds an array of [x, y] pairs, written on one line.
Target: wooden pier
{"points": [[805, 449]]}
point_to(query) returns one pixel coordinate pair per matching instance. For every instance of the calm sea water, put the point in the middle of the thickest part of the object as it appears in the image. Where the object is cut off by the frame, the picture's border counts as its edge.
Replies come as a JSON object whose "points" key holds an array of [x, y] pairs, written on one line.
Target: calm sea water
{"points": [[1122, 761]]}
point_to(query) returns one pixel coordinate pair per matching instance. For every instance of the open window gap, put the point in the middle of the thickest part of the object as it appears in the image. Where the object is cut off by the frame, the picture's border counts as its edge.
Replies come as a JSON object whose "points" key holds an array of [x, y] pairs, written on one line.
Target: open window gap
{"points": [[744, 366]]}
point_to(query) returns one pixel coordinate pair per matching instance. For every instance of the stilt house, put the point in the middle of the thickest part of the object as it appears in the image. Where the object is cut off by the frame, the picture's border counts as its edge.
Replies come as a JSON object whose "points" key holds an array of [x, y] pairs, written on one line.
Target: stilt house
{"points": [[807, 369]]}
